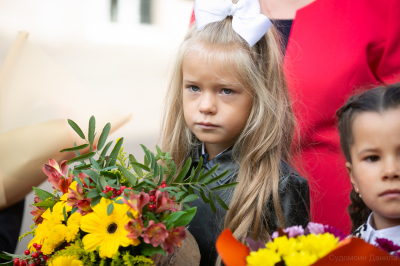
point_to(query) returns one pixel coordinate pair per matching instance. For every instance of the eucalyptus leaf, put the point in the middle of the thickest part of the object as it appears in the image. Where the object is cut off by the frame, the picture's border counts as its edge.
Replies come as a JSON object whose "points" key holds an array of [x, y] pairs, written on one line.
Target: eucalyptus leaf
{"points": [[169, 180], [160, 179], [80, 158], [184, 171], [81, 167], [103, 136], [212, 204], [76, 128], [203, 196], [92, 128], [202, 178], [221, 202], [95, 164], [110, 208], [217, 178], [144, 167], [115, 151], [77, 148], [131, 177], [105, 150], [136, 168]]}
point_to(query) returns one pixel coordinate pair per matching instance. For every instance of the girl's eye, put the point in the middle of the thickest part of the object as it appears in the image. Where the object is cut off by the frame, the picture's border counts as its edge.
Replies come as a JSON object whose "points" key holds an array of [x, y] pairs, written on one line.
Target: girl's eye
{"points": [[372, 158], [227, 91], [194, 88]]}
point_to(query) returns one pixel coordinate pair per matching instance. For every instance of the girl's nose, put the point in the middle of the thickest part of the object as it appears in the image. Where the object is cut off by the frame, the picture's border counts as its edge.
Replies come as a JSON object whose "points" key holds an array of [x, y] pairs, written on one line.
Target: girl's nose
{"points": [[207, 104], [392, 169]]}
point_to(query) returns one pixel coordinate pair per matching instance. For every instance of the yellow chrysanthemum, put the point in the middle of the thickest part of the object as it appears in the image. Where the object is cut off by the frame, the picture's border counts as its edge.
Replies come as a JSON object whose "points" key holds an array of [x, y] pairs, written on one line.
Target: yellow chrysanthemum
{"points": [[320, 244], [57, 234], [263, 257], [66, 261], [40, 234], [106, 232], [74, 219], [56, 216], [72, 231], [48, 248], [300, 259], [283, 245]]}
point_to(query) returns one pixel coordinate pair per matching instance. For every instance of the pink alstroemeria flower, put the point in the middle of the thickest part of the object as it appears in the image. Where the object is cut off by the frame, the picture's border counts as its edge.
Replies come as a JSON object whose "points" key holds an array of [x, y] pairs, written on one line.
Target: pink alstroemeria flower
{"points": [[37, 212], [76, 199], [82, 178], [174, 239], [56, 174], [135, 228], [155, 233], [164, 203], [137, 201]]}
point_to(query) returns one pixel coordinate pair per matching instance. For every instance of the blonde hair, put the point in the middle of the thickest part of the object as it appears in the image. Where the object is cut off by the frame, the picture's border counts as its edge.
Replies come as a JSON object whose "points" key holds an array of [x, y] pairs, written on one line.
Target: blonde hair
{"points": [[265, 139]]}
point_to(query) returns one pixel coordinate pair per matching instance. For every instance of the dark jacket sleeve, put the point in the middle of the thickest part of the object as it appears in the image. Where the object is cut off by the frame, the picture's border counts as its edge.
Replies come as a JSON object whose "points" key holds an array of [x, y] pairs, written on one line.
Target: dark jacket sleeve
{"points": [[294, 195]]}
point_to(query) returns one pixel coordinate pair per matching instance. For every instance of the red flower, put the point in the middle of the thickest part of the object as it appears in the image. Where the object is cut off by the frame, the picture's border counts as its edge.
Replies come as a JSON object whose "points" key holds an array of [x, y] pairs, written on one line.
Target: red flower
{"points": [[137, 201], [37, 212], [155, 233], [175, 238], [135, 228], [76, 199], [56, 174], [164, 203]]}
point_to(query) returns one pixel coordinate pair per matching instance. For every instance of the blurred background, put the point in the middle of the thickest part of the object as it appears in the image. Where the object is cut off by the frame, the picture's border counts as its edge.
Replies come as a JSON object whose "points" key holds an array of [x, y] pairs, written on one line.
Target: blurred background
{"points": [[120, 49]]}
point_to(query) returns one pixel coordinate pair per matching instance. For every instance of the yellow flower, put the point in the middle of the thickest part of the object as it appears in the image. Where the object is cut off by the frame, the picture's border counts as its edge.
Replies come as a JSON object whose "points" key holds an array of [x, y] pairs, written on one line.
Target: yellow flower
{"points": [[66, 261], [319, 245], [48, 248], [56, 234], [105, 231], [300, 259], [74, 219], [40, 234], [56, 216], [72, 231], [283, 245], [263, 257]]}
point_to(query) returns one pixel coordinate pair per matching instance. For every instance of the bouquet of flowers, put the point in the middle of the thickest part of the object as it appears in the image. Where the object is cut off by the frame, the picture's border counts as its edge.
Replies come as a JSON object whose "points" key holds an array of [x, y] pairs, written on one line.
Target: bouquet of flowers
{"points": [[315, 245], [112, 210]]}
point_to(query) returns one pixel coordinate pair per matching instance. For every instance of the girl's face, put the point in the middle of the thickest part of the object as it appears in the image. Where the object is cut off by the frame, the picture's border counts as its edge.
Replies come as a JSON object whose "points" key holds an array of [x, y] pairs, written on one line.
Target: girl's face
{"points": [[215, 106], [375, 166]]}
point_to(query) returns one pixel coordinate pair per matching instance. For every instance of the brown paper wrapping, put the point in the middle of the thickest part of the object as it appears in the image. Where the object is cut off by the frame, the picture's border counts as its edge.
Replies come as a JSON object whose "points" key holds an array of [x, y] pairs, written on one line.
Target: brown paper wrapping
{"points": [[37, 97]]}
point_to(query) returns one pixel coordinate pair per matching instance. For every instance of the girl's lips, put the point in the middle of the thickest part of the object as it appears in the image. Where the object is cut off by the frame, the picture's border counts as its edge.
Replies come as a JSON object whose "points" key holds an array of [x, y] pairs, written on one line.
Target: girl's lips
{"points": [[391, 194], [206, 125]]}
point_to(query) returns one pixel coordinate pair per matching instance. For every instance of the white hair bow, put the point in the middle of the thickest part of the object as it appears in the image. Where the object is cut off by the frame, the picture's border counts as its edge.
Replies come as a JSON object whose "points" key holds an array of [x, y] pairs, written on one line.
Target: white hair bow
{"points": [[247, 20]]}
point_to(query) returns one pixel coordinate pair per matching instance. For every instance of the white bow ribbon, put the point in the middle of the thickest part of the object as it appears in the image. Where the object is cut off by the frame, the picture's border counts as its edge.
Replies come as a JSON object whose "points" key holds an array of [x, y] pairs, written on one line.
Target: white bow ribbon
{"points": [[247, 20]]}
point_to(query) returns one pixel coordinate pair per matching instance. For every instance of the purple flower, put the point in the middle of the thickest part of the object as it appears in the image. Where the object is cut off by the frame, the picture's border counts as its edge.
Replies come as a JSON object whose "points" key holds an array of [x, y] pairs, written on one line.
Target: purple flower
{"points": [[275, 235], [294, 231], [387, 245], [315, 228], [334, 231]]}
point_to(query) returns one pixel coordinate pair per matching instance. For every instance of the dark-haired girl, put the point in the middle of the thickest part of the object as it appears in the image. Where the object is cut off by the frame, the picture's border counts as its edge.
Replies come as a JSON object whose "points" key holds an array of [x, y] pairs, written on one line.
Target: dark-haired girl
{"points": [[369, 128]]}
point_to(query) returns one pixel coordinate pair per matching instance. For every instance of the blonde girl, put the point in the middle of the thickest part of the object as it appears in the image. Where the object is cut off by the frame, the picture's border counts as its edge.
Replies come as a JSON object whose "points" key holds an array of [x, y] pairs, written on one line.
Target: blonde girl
{"points": [[228, 103]]}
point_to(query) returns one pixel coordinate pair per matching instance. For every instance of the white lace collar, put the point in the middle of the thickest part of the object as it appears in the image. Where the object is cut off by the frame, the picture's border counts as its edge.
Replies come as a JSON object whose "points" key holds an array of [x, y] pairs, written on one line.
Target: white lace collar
{"points": [[371, 234]]}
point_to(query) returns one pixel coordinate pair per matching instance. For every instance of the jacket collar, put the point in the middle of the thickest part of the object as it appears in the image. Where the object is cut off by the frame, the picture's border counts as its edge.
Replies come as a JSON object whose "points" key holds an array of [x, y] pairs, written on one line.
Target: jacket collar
{"points": [[225, 161]]}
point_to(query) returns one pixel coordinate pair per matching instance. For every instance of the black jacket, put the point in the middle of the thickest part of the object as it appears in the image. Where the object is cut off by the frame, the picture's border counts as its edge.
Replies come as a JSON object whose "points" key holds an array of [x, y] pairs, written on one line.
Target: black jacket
{"points": [[206, 225]]}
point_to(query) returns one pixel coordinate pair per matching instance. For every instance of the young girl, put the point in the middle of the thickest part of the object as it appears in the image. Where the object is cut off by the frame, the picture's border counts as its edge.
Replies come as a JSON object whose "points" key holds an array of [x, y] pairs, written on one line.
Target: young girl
{"points": [[369, 127], [228, 102]]}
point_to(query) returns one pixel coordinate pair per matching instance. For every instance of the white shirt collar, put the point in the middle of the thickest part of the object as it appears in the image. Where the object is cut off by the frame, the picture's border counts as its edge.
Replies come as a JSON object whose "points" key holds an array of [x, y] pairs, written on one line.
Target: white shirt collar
{"points": [[391, 233], [203, 150]]}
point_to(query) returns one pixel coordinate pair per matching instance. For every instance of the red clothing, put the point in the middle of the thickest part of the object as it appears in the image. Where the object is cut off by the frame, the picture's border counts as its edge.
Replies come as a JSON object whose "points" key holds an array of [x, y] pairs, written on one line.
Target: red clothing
{"points": [[335, 47]]}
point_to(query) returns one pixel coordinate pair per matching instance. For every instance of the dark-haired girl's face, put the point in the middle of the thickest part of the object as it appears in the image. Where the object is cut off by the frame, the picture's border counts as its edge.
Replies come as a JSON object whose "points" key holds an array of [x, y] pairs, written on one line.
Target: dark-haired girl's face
{"points": [[375, 166]]}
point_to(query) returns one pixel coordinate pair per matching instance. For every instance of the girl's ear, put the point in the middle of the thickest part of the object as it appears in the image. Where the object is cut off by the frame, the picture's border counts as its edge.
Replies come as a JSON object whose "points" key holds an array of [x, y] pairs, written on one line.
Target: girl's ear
{"points": [[349, 169]]}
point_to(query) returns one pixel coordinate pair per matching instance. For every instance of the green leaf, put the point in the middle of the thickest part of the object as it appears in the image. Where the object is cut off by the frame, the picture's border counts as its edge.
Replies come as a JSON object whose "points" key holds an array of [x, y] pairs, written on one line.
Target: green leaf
{"points": [[137, 169], [159, 151], [76, 128], [190, 190], [95, 201], [92, 174], [76, 148], [87, 182], [190, 198], [179, 195], [184, 171], [105, 150], [150, 183], [45, 204], [207, 174], [93, 193], [43, 195], [115, 151], [131, 177], [149, 250], [81, 167], [186, 218], [212, 204], [95, 164], [172, 218], [221, 202], [160, 179], [144, 167], [186, 206], [173, 168], [103, 136], [73, 210], [110, 208], [81, 158], [92, 127], [65, 215], [147, 154], [78, 180], [103, 182], [203, 196], [169, 180], [225, 186], [198, 168], [217, 178], [77, 152]]}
